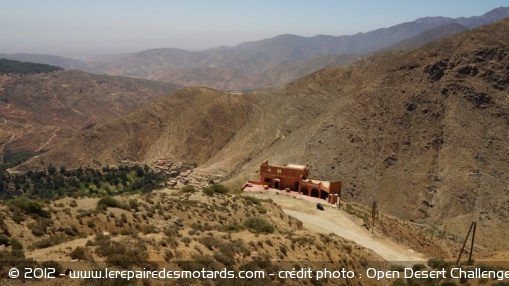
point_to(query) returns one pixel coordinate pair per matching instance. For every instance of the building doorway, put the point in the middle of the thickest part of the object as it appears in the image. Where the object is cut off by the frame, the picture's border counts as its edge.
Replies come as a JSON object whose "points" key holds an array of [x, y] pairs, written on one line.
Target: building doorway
{"points": [[315, 193], [277, 184]]}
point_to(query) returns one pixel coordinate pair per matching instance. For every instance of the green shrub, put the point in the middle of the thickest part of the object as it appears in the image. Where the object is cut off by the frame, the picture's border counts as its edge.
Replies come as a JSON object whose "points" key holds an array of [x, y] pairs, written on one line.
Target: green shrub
{"points": [[188, 189], [397, 267], [53, 264], [233, 227], [347, 247], [186, 240], [3, 227], [4, 240], [121, 254], [71, 231], [418, 267], [220, 189], [47, 242], [15, 244], [258, 225], [251, 200], [40, 226], [283, 249], [210, 242], [261, 209], [435, 262], [78, 253], [168, 255], [27, 206], [133, 204], [215, 189], [399, 282], [109, 202], [223, 258], [17, 216], [486, 267], [208, 191]]}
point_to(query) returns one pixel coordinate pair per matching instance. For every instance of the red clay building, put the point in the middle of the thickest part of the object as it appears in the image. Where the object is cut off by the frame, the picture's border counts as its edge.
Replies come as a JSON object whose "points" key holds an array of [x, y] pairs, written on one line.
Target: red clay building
{"points": [[296, 178]]}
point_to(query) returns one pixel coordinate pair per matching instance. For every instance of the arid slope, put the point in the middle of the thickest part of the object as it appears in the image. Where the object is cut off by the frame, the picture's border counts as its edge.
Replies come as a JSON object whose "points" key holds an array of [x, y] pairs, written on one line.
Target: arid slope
{"points": [[421, 131], [38, 111], [191, 125]]}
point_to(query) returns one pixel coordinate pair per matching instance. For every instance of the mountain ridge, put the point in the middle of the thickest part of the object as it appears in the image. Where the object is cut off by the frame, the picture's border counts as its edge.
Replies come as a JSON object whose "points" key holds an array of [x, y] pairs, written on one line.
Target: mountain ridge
{"points": [[252, 59]]}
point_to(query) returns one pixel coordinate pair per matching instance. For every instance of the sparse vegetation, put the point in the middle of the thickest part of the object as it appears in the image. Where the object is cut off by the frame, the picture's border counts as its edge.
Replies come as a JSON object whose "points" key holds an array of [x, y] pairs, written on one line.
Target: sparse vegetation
{"points": [[122, 254], [47, 242], [199, 234]]}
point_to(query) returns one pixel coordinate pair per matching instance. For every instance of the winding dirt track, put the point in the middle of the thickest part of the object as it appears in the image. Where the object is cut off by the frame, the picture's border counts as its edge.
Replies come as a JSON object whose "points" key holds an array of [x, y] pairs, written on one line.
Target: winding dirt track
{"points": [[341, 223], [53, 135]]}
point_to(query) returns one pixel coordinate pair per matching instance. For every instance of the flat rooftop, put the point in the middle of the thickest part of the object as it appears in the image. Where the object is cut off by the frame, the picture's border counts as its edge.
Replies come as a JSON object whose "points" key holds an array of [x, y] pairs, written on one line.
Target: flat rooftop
{"points": [[295, 166], [317, 181]]}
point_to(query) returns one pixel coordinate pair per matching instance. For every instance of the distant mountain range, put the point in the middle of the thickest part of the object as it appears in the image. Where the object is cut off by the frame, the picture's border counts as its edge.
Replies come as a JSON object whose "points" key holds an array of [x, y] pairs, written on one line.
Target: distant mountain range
{"points": [[244, 66]]}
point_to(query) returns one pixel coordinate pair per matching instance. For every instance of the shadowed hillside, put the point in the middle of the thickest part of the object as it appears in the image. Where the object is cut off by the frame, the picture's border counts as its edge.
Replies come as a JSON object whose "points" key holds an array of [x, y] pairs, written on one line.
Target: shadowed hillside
{"points": [[421, 131]]}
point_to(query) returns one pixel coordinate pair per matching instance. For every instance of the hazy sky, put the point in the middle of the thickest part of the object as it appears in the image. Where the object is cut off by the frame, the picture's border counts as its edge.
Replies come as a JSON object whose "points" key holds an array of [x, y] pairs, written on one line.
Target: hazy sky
{"points": [[110, 26]]}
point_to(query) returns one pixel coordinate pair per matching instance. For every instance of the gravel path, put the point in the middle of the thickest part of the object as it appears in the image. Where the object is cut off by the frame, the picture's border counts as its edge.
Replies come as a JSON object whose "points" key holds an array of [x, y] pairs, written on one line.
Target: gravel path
{"points": [[341, 223]]}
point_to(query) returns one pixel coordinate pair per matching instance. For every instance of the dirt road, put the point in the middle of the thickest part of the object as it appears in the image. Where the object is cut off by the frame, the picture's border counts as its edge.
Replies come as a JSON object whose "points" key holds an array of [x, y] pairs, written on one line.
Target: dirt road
{"points": [[341, 223]]}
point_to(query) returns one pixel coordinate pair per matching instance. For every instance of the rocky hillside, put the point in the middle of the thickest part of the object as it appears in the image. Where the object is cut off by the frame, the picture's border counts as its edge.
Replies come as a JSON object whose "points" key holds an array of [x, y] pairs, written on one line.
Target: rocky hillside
{"points": [[38, 111], [421, 131], [191, 125]]}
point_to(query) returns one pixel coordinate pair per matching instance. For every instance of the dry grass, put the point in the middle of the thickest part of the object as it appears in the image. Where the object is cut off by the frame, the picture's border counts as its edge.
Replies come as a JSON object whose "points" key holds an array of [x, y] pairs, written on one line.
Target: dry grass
{"points": [[190, 232]]}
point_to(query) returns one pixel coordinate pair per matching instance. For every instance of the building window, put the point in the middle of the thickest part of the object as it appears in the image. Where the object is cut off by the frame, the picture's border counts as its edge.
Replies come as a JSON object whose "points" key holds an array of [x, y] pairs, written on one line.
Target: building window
{"points": [[268, 168], [279, 170], [267, 180]]}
